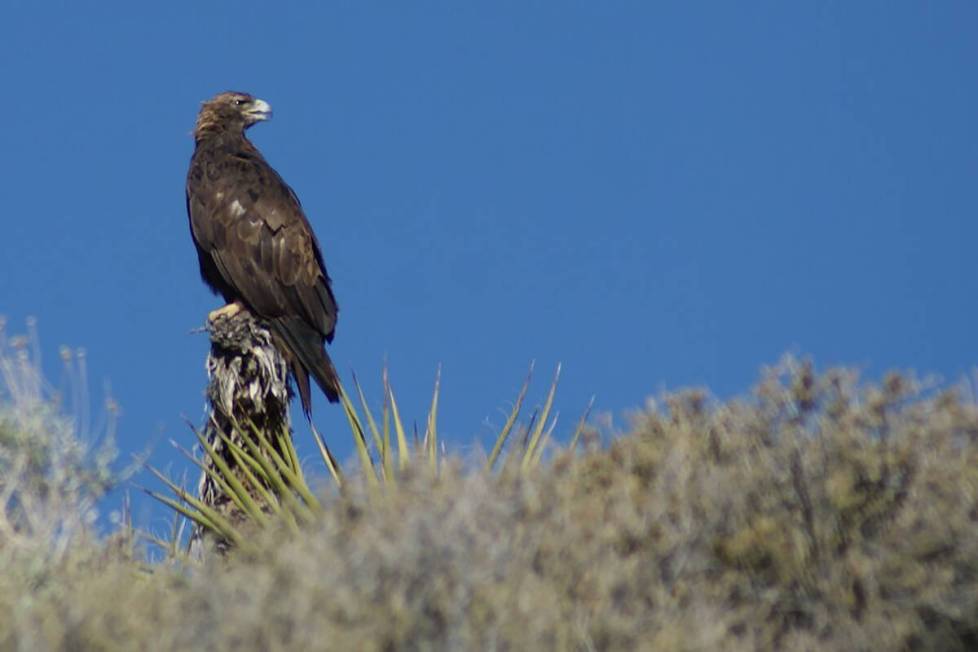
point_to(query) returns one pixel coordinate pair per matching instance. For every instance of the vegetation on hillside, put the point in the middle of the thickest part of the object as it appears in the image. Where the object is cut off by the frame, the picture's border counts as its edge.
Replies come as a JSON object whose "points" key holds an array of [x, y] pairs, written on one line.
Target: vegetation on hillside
{"points": [[817, 513]]}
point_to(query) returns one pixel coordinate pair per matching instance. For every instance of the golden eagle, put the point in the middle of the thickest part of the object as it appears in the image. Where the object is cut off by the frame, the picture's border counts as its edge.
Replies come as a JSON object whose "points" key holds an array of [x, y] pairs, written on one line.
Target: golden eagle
{"points": [[255, 245]]}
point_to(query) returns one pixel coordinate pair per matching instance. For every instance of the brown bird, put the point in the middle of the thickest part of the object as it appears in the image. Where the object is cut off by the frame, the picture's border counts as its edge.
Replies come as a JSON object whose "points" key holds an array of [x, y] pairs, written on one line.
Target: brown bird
{"points": [[254, 243]]}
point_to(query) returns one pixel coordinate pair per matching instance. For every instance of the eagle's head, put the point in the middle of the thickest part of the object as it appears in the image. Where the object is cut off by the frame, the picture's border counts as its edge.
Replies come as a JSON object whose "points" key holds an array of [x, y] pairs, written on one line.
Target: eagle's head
{"points": [[230, 112]]}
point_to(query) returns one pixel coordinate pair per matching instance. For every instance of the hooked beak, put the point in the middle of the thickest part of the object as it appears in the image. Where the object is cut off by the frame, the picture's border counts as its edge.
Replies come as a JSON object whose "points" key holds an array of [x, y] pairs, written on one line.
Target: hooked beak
{"points": [[259, 110]]}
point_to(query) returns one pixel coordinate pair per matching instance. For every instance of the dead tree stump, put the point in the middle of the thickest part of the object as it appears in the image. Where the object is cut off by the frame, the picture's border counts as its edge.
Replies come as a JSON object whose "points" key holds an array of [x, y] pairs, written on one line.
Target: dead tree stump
{"points": [[247, 385]]}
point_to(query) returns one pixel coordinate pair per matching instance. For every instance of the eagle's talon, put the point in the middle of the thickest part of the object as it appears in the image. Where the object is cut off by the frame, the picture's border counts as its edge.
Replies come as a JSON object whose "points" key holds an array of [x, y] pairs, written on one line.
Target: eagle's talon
{"points": [[227, 312]]}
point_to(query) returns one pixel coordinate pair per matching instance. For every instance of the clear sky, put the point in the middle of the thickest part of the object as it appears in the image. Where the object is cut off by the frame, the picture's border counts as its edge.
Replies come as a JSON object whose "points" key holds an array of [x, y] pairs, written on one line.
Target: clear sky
{"points": [[656, 194]]}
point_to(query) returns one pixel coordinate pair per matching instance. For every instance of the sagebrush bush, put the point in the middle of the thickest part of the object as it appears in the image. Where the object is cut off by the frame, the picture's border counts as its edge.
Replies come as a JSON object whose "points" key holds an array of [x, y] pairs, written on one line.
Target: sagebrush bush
{"points": [[815, 514], [51, 477]]}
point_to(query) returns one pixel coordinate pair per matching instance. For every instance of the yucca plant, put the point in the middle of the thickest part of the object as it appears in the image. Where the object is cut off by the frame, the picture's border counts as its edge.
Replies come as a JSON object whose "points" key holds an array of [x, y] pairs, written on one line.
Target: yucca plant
{"points": [[250, 471]]}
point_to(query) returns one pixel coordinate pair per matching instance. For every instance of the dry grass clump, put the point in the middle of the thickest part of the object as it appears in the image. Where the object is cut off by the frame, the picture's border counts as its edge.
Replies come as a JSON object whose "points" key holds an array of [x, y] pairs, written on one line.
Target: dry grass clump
{"points": [[813, 515]]}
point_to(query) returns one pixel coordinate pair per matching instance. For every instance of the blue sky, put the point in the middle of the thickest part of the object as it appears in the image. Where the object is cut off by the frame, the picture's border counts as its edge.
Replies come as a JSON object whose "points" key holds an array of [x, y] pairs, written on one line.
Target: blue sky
{"points": [[656, 194]]}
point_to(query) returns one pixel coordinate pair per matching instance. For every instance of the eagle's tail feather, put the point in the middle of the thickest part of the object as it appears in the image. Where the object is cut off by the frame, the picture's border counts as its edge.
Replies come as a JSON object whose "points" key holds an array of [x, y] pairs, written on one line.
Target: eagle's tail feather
{"points": [[309, 357]]}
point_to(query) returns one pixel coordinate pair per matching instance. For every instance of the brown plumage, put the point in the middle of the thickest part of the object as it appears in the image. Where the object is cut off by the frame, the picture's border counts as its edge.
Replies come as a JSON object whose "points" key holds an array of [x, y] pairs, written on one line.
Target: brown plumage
{"points": [[255, 245]]}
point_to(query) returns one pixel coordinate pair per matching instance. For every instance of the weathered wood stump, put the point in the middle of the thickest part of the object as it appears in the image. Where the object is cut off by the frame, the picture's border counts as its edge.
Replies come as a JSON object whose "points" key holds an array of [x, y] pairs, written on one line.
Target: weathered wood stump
{"points": [[247, 386]]}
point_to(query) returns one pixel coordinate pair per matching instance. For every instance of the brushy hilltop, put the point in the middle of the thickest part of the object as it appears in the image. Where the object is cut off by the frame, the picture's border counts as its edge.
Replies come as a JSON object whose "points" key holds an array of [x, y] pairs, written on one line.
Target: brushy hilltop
{"points": [[815, 514]]}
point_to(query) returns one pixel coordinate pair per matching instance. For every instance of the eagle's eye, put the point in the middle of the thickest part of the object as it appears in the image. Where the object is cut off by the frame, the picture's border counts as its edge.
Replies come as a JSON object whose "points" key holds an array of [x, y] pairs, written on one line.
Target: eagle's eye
{"points": [[239, 102]]}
